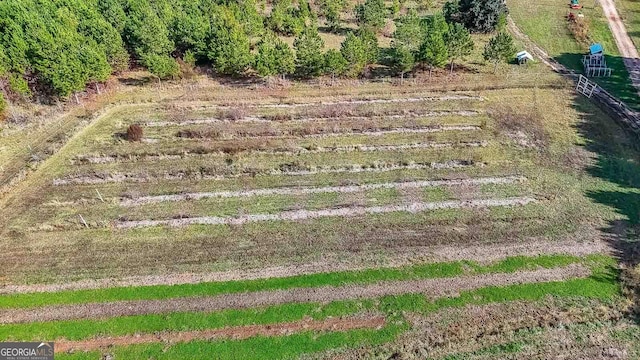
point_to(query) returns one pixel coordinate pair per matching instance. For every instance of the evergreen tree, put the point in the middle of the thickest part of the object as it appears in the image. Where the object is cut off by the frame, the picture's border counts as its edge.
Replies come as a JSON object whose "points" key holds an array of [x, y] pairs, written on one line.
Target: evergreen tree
{"points": [[459, 42], [403, 59], [334, 63], [274, 57], [190, 28], [372, 13], [410, 31], [309, 52], [353, 51], [499, 48], [162, 66], [229, 48], [285, 19], [370, 44], [433, 50], [476, 15], [331, 10]]}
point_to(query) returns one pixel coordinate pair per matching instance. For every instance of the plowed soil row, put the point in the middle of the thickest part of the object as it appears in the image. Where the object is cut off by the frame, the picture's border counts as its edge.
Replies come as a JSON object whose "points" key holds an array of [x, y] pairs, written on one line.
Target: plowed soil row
{"points": [[104, 178], [317, 190], [371, 101], [479, 253], [236, 333], [426, 114], [261, 149], [433, 288], [347, 211], [324, 133]]}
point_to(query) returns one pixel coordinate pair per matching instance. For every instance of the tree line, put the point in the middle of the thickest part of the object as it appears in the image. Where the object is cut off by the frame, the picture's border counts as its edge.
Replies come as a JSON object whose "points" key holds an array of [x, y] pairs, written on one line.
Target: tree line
{"points": [[58, 47]]}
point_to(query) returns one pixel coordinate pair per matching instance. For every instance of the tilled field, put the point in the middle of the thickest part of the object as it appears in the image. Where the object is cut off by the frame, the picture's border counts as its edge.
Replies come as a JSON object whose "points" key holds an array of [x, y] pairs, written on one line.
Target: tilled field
{"points": [[329, 225]]}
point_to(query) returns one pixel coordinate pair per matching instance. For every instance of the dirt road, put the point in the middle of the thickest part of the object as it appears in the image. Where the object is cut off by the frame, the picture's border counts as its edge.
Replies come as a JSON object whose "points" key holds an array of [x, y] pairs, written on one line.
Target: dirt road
{"points": [[625, 45]]}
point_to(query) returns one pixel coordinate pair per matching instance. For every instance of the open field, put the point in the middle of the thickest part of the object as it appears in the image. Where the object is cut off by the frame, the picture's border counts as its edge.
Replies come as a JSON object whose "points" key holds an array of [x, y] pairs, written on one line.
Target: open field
{"points": [[357, 220]]}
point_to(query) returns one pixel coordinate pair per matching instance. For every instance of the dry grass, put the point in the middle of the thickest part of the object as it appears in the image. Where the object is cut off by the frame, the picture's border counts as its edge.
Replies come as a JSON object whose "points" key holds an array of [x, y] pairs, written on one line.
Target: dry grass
{"points": [[526, 129]]}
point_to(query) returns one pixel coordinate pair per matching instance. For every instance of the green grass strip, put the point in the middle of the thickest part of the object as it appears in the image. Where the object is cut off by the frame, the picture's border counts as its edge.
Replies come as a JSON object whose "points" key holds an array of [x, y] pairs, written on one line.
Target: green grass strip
{"points": [[601, 285], [257, 348], [298, 344], [422, 271], [178, 321]]}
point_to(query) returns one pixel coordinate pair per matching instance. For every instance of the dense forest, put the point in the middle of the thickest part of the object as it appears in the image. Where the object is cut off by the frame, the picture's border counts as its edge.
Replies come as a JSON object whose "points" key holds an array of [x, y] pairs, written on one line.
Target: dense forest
{"points": [[58, 47]]}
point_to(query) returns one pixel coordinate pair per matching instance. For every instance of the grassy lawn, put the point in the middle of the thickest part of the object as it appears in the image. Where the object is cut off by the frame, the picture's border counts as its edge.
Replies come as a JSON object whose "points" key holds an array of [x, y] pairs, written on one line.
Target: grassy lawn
{"points": [[545, 23], [629, 11]]}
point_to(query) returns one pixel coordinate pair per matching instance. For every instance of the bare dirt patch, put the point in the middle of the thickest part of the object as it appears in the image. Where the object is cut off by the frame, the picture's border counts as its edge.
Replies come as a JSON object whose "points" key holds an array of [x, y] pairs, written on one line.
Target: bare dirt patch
{"points": [[236, 333], [432, 288]]}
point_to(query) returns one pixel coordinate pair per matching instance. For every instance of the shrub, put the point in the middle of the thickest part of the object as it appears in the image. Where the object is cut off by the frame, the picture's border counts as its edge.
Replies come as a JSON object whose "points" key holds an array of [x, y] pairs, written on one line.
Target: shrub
{"points": [[162, 66], [232, 114], [3, 107], [579, 28], [134, 132]]}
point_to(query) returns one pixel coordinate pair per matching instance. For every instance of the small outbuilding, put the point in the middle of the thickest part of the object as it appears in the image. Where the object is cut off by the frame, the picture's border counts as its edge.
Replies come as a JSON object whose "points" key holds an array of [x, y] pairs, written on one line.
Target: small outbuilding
{"points": [[523, 57]]}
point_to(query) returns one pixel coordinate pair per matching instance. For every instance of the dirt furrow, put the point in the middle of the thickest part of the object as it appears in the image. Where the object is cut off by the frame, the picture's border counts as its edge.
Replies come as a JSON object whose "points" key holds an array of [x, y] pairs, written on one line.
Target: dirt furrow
{"points": [[480, 253], [316, 190], [235, 333], [204, 121], [88, 159], [373, 101], [104, 178], [433, 288], [328, 134], [347, 211]]}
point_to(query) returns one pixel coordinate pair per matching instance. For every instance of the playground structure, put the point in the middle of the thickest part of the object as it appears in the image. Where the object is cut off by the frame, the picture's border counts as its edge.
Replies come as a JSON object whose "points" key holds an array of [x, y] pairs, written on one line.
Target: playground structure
{"points": [[595, 64], [575, 5]]}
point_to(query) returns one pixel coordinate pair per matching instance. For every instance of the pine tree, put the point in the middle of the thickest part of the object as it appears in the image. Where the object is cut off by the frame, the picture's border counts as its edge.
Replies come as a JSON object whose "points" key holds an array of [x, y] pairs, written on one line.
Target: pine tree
{"points": [[403, 59], [459, 42], [162, 66], [309, 52], [230, 48], [372, 13], [334, 63], [499, 48], [410, 31], [433, 50], [353, 51], [331, 10]]}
